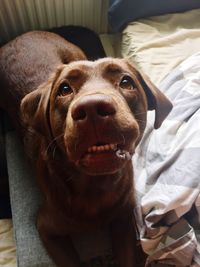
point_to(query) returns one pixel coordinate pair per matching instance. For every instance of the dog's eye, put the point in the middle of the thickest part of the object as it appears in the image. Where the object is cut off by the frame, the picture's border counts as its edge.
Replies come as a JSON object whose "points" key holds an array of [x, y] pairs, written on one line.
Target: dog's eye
{"points": [[127, 83], [64, 89]]}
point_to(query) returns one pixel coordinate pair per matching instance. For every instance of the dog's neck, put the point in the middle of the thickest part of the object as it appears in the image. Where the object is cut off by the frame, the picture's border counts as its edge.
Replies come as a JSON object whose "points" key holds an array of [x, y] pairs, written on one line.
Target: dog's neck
{"points": [[98, 182], [78, 181], [89, 195]]}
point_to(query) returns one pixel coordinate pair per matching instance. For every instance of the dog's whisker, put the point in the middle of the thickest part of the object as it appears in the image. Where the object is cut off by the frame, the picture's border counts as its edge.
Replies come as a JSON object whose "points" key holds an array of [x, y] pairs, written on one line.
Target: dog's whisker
{"points": [[142, 121], [123, 138], [53, 143], [141, 113], [75, 146], [145, 122], [54, 151], [70, 178], [124, 141]]}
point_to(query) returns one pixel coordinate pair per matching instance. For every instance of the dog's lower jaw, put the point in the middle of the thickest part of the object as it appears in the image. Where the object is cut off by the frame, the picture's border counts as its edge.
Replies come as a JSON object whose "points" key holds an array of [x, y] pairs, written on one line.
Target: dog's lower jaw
{"points": [[103, 162]]}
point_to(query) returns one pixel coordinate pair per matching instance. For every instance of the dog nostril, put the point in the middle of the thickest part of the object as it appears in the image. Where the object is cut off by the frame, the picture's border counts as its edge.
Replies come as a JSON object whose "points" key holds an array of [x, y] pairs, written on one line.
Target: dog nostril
{"points": [[105, 109], [78, 113]]}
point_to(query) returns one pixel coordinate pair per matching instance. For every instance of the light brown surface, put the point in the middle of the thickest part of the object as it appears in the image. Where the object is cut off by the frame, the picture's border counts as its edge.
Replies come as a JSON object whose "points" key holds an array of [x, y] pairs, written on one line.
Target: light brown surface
{"points": [[7, 245]]}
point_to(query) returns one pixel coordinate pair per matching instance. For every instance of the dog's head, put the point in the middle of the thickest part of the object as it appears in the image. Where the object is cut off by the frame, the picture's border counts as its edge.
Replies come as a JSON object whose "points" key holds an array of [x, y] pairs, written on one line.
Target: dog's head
{"points": [[95, 112]]}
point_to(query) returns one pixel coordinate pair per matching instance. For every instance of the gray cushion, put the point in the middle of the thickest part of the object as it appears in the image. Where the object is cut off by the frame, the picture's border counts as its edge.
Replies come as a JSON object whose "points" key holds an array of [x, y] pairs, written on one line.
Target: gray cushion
{"points": [[2, 149], [25, 200]]}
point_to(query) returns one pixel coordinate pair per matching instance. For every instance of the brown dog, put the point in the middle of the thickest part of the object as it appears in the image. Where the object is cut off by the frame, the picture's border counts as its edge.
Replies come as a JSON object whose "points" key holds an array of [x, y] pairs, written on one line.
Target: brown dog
{"points": [[82, 126]]}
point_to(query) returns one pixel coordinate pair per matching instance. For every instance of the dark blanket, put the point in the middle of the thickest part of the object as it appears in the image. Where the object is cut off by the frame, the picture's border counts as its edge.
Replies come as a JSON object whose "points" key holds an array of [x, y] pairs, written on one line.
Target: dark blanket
{"points": [[84, 38]]}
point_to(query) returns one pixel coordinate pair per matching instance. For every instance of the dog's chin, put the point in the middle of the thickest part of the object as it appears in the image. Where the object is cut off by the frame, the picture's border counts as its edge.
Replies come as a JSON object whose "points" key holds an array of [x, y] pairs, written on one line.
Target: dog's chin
{"points": [[103, 163]]}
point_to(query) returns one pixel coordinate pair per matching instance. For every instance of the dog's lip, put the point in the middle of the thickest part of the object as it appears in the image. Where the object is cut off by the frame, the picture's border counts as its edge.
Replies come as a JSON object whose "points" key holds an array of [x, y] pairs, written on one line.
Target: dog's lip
{"points": [[104, 161], [104, 149], [99, 156]]}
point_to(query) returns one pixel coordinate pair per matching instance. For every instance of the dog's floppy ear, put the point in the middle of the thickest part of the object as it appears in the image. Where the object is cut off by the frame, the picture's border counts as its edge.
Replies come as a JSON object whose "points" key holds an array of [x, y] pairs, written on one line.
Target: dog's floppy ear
{"points": [[35, 106], [155, 98]]}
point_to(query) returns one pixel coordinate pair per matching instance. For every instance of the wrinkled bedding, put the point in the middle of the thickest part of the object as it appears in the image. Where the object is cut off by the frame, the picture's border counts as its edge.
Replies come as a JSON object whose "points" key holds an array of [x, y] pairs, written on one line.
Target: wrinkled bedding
{"points": [[167, 173], [159, 44]]}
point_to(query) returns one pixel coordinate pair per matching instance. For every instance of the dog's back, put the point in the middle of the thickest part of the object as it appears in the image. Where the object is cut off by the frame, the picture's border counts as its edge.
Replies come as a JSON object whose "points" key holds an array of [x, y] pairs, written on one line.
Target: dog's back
{"points": [[28, 61]]}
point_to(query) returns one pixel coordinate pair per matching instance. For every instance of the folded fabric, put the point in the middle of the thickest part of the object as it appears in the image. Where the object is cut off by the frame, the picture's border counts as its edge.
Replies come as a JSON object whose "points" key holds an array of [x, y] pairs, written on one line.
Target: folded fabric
{"points": [[167, 174]]}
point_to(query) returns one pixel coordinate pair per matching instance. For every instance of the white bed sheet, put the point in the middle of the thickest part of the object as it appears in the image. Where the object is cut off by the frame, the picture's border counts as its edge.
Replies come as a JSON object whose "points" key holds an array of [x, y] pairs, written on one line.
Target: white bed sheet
{"points": [[159, 44]]}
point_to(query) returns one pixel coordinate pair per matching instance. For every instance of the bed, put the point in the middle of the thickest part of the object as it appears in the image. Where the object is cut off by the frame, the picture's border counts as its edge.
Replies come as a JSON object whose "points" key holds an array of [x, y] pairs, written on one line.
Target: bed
{"points": [[167, 167], [167, 162]]}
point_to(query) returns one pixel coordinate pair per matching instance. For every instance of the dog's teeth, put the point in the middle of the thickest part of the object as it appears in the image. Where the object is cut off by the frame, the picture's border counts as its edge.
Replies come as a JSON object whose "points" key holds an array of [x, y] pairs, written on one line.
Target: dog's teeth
{"points": [[102, 148], [107, 147], [113, 146], [94, 148]]}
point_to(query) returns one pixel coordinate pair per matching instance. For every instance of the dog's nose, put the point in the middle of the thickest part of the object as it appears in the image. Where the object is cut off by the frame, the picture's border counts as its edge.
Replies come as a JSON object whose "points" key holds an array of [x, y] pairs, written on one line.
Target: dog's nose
{"points": [[93, 106]]}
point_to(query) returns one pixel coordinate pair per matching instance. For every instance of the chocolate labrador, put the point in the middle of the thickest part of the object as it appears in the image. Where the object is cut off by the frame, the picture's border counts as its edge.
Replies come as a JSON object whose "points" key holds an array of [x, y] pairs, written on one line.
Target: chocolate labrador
{"points": [[81, 127]]}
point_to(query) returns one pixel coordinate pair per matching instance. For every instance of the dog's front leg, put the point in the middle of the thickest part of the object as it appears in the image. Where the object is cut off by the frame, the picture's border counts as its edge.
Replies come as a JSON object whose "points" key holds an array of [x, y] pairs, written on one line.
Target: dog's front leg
{"points": [[123, 237], [61, 251], [59, 248]]}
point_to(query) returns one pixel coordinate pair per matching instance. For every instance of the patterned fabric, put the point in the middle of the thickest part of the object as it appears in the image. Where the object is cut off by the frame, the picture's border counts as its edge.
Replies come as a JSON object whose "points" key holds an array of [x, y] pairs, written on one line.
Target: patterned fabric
{"points": [[167, 174]]}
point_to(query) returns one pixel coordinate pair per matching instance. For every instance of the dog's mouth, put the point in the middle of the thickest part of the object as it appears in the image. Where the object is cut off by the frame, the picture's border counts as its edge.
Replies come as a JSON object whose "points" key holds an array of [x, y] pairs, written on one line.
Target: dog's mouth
{"points": [[107, 148], [103, 158]]}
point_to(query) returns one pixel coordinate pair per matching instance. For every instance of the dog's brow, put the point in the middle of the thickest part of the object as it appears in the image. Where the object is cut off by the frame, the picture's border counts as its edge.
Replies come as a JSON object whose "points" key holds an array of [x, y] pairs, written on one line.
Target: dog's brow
{"points": [[113, 68], [74, 74]]}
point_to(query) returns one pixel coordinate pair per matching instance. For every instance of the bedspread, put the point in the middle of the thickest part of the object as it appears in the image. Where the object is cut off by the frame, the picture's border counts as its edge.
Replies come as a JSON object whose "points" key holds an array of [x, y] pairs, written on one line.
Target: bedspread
{"points": [[167, 174]]}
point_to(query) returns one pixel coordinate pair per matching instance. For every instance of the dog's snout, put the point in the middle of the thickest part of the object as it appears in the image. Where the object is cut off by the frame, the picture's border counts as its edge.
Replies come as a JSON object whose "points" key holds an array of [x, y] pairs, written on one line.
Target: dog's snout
{"points": [[92, 106]]}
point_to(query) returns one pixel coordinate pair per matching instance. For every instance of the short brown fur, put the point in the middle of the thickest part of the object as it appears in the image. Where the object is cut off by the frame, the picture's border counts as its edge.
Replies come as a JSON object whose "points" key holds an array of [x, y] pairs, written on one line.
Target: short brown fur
{"points": [[82, 106]]}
